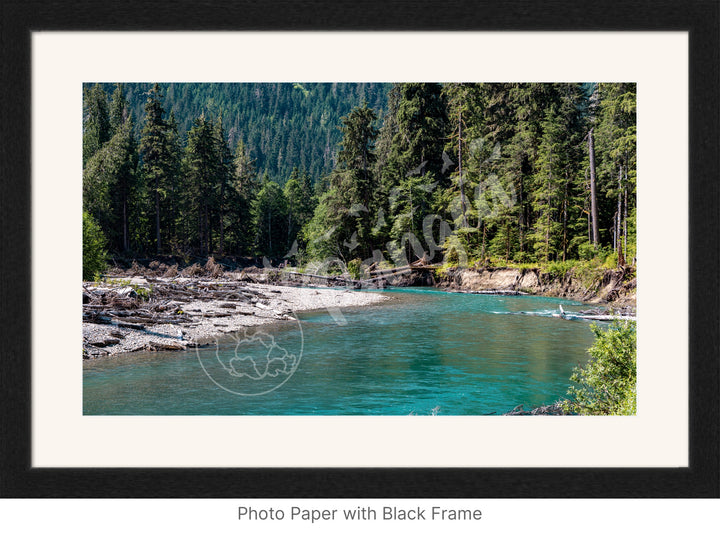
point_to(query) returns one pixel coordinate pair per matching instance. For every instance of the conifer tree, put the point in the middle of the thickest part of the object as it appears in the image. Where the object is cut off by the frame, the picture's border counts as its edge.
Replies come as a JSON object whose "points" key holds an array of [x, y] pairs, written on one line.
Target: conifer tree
{"points": [[172, 214], [96, 121], [415, 162], [157, 155], [298, 193], [224, 172], [241, 195], [269, 211], [108, 183], [354, 176], [201, 171], [118, 108]]}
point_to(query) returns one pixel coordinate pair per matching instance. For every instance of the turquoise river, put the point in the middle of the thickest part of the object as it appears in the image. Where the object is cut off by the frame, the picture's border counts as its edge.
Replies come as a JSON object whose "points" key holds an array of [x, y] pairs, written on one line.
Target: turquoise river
{"points": [[422, 352]]}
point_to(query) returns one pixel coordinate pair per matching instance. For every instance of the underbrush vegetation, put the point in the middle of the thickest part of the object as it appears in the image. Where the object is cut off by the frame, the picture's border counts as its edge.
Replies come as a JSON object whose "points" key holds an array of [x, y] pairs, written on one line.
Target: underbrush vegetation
{"points": [[94, 249], [142, 292], [607, 384]]}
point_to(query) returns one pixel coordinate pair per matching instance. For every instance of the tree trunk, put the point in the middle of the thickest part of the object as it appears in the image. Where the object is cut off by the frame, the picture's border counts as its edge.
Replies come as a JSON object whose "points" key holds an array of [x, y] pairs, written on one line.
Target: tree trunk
{"points": [[565, 218], [172, 230], [289, 225], [547, 219], [206, 224], [157, 213], [614, 232], [210, 229], [200, 229], [221, 248], [547, 238], [589, 228], [625, 213], [483, 241], [412, 210], [125, 225], [521, 216], [593, 190], [621, 259], [460, 172], [507, 241]]}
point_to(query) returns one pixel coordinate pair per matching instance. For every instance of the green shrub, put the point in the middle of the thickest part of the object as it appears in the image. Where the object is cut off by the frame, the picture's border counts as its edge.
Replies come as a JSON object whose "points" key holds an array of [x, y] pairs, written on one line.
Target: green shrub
{"points": [[94, 253], [559, 269], [443, 271], [590, 273], [607, 384], [354, 268], [523, 257], [602, 253], [142, 292], [455, 252], [586, 251], [611, 261]]}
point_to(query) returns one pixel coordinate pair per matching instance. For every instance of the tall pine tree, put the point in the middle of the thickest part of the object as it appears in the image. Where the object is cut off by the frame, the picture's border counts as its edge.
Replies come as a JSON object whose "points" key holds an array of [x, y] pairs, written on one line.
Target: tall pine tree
{"points": [[158, 158]]}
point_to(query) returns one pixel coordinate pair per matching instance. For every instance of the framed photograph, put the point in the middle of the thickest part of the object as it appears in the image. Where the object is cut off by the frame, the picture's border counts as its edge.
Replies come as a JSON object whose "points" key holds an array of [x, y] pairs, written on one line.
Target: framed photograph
{"points": [[575, 144]]}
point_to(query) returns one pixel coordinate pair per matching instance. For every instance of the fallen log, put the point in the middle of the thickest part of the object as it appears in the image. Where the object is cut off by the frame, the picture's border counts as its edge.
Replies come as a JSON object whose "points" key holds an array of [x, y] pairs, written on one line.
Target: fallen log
{"points": [[210, 314], [384, 277], [105, 342], [332, 278], [94, 318], [136, 326], [497, 292], [152, 345], [599, 317], [393, 271]]}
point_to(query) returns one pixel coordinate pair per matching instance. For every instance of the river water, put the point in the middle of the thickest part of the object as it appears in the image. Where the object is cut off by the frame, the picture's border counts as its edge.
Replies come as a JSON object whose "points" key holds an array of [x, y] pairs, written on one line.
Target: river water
{"points": [[423, 352]]}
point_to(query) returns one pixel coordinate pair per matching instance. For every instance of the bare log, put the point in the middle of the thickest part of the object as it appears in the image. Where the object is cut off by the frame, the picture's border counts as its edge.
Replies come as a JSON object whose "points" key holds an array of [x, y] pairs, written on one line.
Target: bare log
{"points": [[164, 346], [129, 325]]}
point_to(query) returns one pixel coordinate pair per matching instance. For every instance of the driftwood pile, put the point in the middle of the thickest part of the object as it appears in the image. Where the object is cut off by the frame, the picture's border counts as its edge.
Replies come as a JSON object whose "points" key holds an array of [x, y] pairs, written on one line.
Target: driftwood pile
{"points": [[152, 302], [155, 268], [134, 308], [311, 279]]}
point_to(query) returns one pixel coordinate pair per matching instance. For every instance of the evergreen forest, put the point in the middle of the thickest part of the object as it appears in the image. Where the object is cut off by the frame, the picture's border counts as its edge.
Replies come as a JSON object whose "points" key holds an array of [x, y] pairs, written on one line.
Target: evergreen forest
{"points": [[461, 173]]}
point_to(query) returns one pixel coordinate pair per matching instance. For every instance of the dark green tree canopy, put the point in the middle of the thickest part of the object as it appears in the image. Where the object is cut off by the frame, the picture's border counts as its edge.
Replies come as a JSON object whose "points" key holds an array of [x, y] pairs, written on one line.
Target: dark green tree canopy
{"points": [[490, 173]]}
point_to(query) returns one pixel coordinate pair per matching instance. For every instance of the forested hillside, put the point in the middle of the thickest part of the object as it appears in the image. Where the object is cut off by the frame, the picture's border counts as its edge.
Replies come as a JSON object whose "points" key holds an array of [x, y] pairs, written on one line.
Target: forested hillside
{"points": [[474, 173], [283, 125]]}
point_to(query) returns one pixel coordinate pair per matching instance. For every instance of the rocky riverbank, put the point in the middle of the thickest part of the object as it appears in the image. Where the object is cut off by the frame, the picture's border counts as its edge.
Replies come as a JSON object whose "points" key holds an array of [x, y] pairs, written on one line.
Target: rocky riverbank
{"points": [[159, 307], [615, 288], [132, 313]]}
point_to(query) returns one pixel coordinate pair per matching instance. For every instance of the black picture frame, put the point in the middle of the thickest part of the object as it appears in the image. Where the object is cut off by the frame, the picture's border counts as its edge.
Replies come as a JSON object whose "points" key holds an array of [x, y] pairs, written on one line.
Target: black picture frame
{"points": [[701, 18]]}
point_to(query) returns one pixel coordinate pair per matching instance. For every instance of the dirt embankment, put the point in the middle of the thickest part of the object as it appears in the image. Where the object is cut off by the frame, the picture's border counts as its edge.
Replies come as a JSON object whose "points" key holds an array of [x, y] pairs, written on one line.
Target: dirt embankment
{"points": [[612, 286]]}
